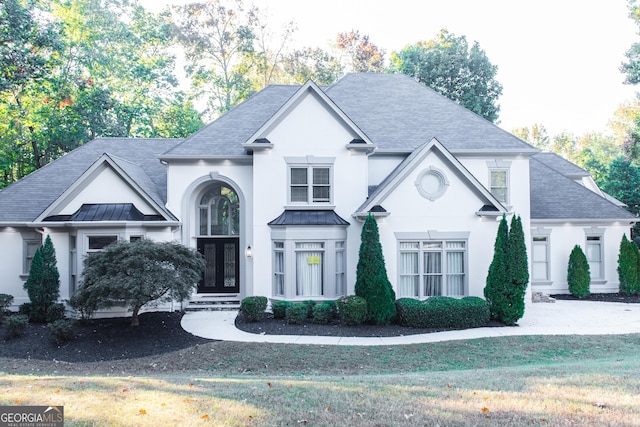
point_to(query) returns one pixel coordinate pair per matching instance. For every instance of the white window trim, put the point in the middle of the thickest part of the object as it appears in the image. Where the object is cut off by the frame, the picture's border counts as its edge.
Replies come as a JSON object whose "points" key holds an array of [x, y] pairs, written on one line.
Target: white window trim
{"points": [[309, 163], [547, 245], [500, 165], [599, 233], [26, 264], [426, 193], [419, 238], [328, 236]]}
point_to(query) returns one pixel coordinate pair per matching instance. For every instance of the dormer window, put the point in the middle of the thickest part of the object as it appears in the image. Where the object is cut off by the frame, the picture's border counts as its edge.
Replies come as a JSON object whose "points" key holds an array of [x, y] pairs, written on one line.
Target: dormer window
{"points": [[310, 180]]}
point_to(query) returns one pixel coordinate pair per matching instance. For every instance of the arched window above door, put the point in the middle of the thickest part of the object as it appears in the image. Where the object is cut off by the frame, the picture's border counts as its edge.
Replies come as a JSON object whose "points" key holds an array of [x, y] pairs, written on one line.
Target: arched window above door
{"points": [[219, 209]]}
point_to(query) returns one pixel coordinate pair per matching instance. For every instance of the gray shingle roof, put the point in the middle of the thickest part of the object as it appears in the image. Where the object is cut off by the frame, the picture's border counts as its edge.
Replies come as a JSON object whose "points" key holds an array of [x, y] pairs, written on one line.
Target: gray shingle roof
{"points": [[26, 199], [393, 110], [106, 212], [555, 196], [561, 165]]}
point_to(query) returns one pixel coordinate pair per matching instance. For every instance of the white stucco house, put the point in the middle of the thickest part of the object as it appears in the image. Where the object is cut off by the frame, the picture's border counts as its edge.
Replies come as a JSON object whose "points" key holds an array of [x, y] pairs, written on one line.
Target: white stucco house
{"points": [[275, 191]]}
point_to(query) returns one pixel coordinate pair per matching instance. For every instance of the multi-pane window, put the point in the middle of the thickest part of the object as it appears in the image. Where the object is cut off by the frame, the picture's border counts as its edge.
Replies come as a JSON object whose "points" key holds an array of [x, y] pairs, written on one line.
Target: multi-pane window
{"points": [[310, 184], [540, 258], [219, 210], [309, 268], [431, 268], [341, 284], [278, 268], [303, 269], [499, 184], [98, 243], [30, 248], [594, 256]]}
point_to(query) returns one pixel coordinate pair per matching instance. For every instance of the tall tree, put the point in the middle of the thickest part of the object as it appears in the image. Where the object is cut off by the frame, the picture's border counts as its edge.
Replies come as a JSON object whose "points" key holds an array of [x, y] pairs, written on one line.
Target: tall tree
{"points": [[359, 54], [628, 267], [312, 64], [216, 36], [372, 282], [447, 65], [517, 272]]}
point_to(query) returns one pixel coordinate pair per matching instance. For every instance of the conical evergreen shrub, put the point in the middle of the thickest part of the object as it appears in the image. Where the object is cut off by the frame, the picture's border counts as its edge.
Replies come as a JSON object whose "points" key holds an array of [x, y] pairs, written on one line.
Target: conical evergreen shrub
{"points": [[628, 267], [578, 275], [497, 280], [372, 282], [43, 284]]}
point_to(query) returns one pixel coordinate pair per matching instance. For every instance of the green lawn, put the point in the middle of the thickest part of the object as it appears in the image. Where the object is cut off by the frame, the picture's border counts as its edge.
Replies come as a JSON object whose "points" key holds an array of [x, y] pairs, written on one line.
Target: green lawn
{"points": [[553, 381]]}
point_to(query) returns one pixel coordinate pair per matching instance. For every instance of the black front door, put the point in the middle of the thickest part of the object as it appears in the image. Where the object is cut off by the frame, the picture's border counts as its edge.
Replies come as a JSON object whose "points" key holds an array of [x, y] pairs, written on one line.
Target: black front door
{"points": [[222, 271]]}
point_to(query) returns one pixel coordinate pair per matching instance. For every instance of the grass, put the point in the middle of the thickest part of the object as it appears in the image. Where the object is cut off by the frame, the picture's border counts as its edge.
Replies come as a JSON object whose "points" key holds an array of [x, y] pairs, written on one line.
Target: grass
{"points": [[553, 381]]}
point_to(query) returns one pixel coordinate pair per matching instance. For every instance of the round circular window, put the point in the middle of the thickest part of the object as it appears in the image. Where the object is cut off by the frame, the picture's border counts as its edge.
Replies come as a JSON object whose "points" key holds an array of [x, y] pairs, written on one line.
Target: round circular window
{"points": [[431, 183]]}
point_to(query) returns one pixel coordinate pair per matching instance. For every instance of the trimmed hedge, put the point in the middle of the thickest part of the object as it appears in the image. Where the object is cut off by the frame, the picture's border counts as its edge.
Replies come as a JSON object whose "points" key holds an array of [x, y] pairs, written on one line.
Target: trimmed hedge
{"points": [[443, 312], [62, 330], [352, 310], [253, 308], [322, 313], [279, 309], [16, 325], [296, 313]]}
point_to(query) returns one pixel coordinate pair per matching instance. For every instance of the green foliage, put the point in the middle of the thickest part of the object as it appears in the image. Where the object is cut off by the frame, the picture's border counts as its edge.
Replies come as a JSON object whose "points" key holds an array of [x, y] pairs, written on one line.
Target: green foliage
{"points": [[279, 309], [310, 304], [312, 64], [62, 330], [447, 65], [322, 313], [16, 325], [43, 284], [629, 267], [140, 272], [508, 275], [55, 312], [352, 310], [443, 312], [296, 313], [253, 308], [85, 303], [578, 276], [372, 282], [5, 302]]}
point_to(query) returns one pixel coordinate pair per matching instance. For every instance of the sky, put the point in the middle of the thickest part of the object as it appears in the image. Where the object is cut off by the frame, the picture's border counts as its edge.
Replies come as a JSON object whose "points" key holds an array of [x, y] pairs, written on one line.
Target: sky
{"points": [[558, 60]]}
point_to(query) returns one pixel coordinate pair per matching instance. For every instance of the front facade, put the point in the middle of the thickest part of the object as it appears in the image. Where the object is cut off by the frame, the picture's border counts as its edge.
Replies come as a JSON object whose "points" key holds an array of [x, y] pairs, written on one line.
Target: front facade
{"points": [[274, 194]]}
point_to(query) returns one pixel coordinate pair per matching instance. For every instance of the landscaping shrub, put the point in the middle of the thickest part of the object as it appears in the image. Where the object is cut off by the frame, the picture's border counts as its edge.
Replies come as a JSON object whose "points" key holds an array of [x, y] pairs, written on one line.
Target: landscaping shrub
{"points": [[84, 303], [16, 325], [578, 276], [372, 282], [296, 313], [5, 302], [310, 304], [443, 312], [43, 284], [322, 313], [628, 267], [352, 310], [62, 330], [253, 308], [55, 312], [279, 309]]}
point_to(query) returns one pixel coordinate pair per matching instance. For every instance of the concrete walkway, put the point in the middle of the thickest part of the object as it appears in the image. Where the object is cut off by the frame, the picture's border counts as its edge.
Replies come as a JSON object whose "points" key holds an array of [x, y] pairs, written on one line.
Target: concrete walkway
{"points": [[559, 318]]}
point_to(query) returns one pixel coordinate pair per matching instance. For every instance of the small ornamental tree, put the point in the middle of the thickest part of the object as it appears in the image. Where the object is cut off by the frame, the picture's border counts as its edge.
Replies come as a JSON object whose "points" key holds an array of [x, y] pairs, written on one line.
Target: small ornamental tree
{"points": [[43, 284], [139, 273], [497, 279], [628, 267], [578, 275], [372, 282], [517, 272]]}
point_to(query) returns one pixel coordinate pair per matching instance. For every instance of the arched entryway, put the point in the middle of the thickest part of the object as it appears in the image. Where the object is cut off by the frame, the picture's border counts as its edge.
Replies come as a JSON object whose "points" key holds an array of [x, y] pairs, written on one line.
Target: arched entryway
{"points": [[218, 238]]}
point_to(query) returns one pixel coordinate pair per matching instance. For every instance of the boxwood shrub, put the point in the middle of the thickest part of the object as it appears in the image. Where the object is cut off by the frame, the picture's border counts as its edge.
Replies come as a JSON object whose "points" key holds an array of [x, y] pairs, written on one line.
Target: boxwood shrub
{"points": [[253, 308], [352, 310], [279, 308], [296, 313], [16, 325], [443, 312], [322, 313]]}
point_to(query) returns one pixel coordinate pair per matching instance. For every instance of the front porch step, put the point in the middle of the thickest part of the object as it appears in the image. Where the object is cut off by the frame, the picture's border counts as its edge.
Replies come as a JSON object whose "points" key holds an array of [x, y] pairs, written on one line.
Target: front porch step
{"points": [[222, 303]]}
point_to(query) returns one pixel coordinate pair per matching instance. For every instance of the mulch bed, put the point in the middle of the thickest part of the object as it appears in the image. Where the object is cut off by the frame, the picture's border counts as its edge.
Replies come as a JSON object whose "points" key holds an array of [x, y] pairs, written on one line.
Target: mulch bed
{"points": [[103, 340]]}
